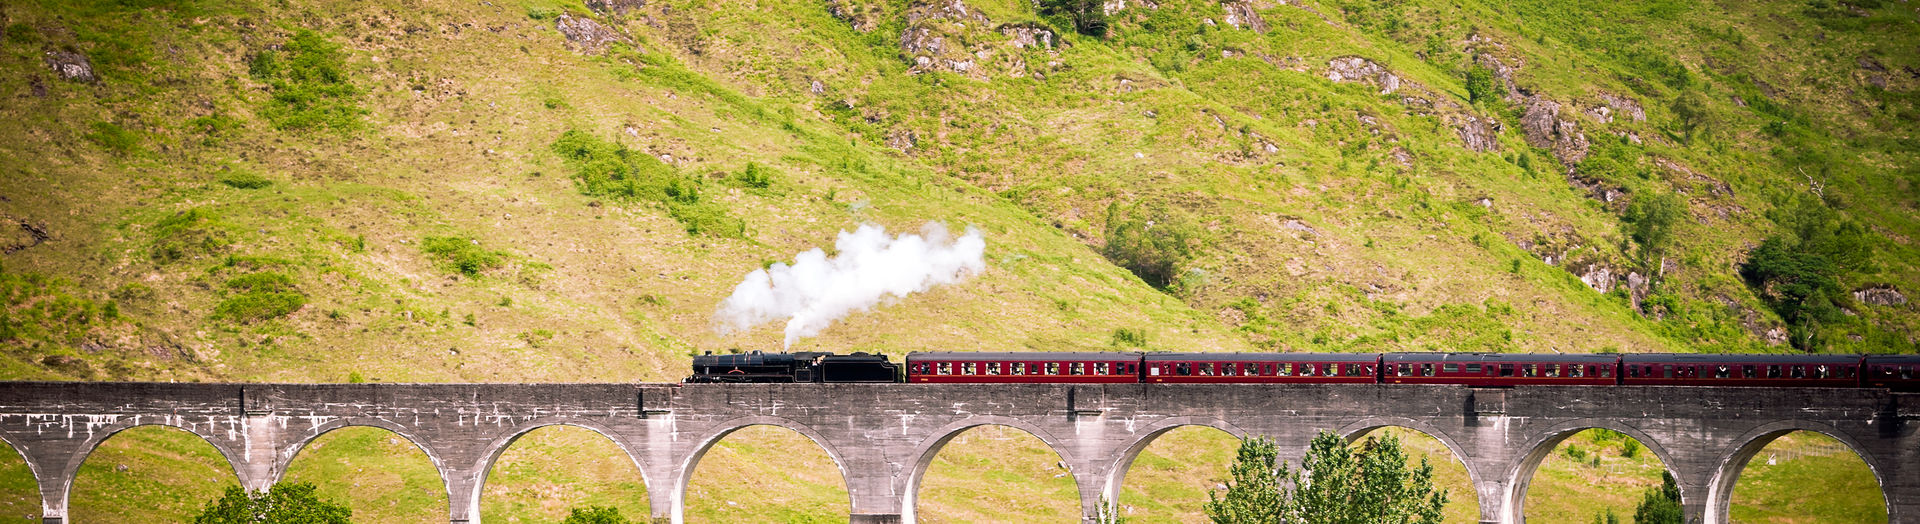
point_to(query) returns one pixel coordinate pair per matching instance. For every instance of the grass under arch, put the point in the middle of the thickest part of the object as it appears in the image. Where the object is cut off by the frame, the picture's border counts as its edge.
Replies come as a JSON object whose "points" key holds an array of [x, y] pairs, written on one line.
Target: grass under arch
{"points": [[803, 485], [549, 471], [148, 474]]}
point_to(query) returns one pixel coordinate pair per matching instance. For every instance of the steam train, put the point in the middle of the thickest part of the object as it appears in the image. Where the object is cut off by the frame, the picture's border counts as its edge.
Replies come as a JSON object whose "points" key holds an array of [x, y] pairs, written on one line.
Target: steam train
{"points": [[1896, 372]]}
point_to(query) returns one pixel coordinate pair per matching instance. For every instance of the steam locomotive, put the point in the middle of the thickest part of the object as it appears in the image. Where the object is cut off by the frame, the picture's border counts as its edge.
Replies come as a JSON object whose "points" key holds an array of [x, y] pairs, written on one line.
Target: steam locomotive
{"points": [[1897, 372]]}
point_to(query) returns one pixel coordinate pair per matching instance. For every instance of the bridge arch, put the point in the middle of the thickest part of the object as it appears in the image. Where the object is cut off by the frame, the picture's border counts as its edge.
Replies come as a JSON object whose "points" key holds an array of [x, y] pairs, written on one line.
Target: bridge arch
{"points": [[1749, 444], [1117, 471], [1353, 431], [924, 453], [684, 474], [71, 469], [499, 446], [1513, 498]]}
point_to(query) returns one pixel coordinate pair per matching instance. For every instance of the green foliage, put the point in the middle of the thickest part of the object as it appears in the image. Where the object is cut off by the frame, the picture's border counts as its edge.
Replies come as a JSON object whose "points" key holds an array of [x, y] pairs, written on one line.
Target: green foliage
{"points": [[1660, 505], [1134, 338], [113, 138], [754, 176], [35, 307], [1152, 241], [285, 503], [607, 169], [1629, 448], [1480, 85], [1694, 116], [1254, 494], [1607, 517], [212, 128], [259, 296], [461, 255], [310, 85], [1797, 272], [1335, 485], [1088, 17], [190, 233], [595, 515], [245, 180], [1650, 223]]}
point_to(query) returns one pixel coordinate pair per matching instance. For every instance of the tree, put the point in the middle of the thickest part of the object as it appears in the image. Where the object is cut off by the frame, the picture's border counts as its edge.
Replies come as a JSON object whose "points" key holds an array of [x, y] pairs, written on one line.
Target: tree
{"points": [[1152, 241], [1089, 17], [1651, 219], [1480, 85], [596, 515], [1660, 505], [293, 503], [1335, 485], [1797, 272]]}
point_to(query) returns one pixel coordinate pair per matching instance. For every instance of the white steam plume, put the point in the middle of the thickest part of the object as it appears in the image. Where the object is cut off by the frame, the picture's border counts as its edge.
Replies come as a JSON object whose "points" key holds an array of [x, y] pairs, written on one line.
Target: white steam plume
{"points": [[869, 267]]}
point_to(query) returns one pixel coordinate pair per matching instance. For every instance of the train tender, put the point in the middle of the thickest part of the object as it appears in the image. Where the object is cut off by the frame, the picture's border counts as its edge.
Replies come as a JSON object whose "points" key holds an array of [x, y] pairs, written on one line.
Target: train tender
{"points": [[805, 366], [1897, 372]]}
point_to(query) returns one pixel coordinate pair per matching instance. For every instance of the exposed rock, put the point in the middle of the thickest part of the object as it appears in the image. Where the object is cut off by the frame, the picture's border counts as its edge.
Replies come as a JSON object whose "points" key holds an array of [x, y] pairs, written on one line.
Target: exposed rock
{"points": [[815, 87], [1613, 196], [1622, 106], [1028, 34], [1637, 288], [37, 87], [17, 234], [1479, 134], [1777, 336], [586, 35], [1544, 129], [1114, 6], [1502, 71], [1241, 12], [920, 42], [902, 140], [1598, 277], [861, 21], [1295, 224], [1400, 156], [1880, 296], [71, 65], [1357, 69], [955, 10], [615, 7], [1868, 63]]}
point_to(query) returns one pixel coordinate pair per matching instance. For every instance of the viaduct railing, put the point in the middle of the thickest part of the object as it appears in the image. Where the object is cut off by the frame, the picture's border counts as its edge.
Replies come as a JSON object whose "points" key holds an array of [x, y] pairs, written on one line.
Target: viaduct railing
{"points": [[883, 436]]}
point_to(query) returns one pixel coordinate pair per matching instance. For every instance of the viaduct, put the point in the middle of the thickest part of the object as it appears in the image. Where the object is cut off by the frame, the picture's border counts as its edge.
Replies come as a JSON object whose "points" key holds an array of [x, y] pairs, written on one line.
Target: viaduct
{"points": [[883, 436]]}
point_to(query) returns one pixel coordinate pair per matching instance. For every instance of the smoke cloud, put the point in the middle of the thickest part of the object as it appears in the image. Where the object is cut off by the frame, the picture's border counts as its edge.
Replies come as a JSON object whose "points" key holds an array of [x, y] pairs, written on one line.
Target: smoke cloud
{"points": [[868, 267]]}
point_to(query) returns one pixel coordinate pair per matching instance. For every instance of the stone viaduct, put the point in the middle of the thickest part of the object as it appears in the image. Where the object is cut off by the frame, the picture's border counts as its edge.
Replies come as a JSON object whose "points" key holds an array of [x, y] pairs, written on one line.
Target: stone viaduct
{"points": [[883, 436]]}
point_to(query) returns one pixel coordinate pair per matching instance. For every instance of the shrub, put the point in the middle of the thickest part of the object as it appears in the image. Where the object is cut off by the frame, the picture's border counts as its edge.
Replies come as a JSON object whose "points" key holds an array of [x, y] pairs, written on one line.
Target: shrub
{"points": [[245, 180], [461, 254], [1630, 448], [606, 169], [285, 502], [113, 138], [1089, 17], [260, 296], [309, 82], [1153, 242], [1797, 272], [1651, 220], [189, 233], [754, 176], [1480, 86], [1123, 337], [595, 515]]}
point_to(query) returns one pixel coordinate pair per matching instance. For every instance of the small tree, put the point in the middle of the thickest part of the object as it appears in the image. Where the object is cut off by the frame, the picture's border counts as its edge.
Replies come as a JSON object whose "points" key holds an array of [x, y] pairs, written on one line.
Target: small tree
{"points": [[1660, 505], [1651, 220], [596, 515], [293, 503], [1336, 485], [1480, 85], [1089, 17]]}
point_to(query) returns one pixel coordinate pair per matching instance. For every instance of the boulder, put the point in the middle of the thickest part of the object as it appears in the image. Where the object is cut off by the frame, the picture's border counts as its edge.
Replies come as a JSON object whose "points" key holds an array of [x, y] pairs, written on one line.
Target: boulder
{"points": [[1880, 296], [71, 65], [1028, 34], [1598, 277], [1545, 129], [1357, 69], [1241, 13], [1478, 134]]}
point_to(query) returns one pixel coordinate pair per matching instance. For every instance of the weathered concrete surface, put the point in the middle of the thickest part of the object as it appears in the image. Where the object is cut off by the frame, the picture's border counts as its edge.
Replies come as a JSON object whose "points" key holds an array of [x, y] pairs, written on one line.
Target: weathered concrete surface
{"points": [[883, 436]]}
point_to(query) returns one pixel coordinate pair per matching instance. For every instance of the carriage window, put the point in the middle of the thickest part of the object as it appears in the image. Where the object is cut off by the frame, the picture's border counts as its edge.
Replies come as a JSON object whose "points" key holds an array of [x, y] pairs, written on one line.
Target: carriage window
{"points": [[1799, 372], [1526, 370], [1019, 368], [1183, 368], [1773, 371], [946, 368], [1666, 371], [1553, 370], [1747, 371], [1053, 368], [1286, 370], [1426, 370], [1079, 368], [1100, 368], [1721, 372], [1331, 370], [1229, 369], [1353, 370], [966, 368], [1575, 371], [993, 368], [1451, 368], [1906, 372], [1506, 370], [1473, 368], [1820, 372]]}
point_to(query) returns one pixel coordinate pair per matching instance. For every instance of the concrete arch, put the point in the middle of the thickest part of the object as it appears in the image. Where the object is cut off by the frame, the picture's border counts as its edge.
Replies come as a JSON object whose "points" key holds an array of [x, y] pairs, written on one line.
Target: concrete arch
{"points": [[1513, 499], [684, 474], [71, 469], [1354, 431], [1749, 444], [284, 458], [924, 453], [1117, 472], [499, 446]]}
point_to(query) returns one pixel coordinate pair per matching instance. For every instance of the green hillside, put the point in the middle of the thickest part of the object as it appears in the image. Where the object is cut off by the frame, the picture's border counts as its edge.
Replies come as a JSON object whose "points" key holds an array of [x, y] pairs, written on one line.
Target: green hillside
{"points": [[542, 190]]}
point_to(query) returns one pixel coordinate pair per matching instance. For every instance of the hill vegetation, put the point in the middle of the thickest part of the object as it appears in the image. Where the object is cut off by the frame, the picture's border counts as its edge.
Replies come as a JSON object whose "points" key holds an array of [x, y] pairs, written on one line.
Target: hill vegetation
{"points": [[558, 190]]}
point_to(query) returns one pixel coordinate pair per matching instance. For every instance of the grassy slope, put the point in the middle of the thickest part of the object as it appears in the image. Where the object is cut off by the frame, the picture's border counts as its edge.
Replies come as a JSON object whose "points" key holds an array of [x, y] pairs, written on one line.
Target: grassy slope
{"points": [[464, 100]]}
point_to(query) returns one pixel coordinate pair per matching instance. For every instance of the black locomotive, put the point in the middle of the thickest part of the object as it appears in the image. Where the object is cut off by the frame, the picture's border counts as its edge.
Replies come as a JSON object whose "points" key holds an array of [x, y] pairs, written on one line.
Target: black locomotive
{"points": [[805, 366]]}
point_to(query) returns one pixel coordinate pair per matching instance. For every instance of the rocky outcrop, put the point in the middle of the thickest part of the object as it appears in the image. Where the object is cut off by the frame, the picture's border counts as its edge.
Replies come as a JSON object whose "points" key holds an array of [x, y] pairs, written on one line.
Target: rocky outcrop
{"points": [[949, 36], [1028, 34], [902, 140], [17, 234], [1545, 129], [71, 65], [1478, 133], [1598, 277], [615, 7], [1115, 6], [1612, 105], [586, 35], [1361, 70], [1241, 15], [1880, 296], [862, 20]]}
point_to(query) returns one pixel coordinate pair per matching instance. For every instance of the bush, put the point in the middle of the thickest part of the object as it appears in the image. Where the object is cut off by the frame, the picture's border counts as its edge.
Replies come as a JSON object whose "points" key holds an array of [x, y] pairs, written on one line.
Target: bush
{"points": [[1650, 222], [461, 255], [754, 177], [1660, 505], [309, 82], [1480, 85], [1152, 241], [186, 234], [1089, 17], [1123, 337], [606, 169], [245, 180], [1797, 272], [290, 503], [595, 515]]}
